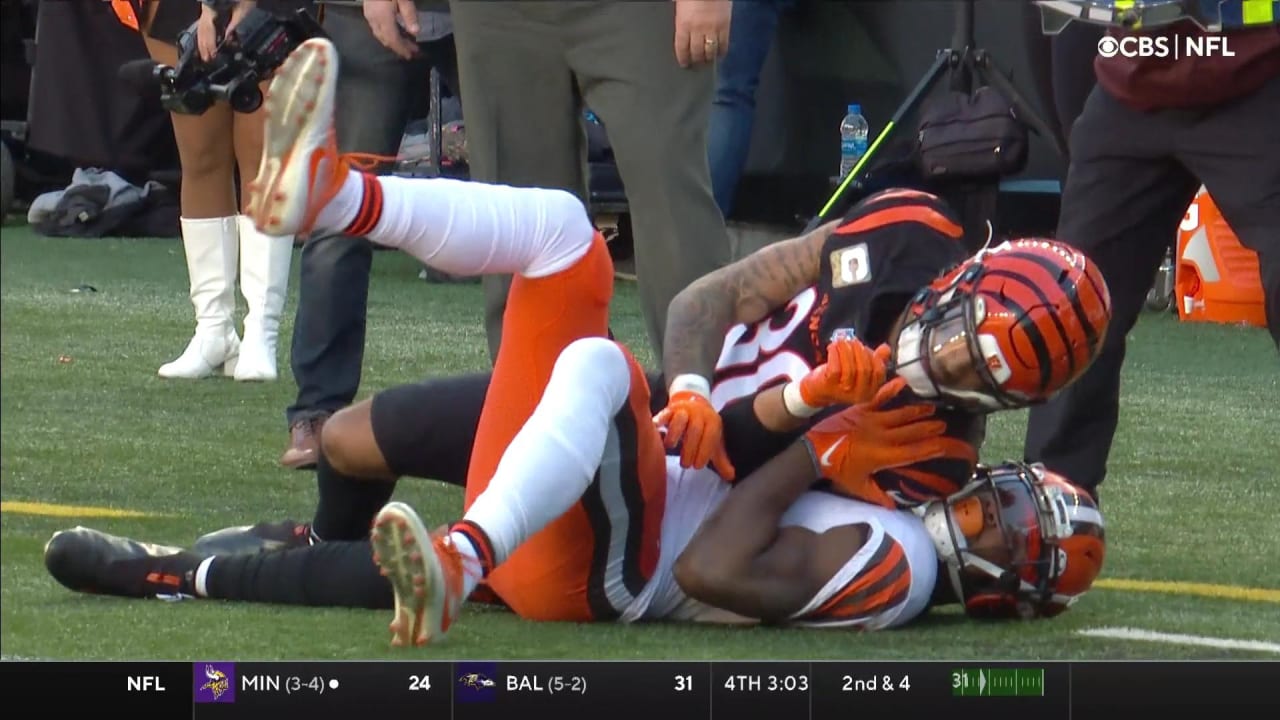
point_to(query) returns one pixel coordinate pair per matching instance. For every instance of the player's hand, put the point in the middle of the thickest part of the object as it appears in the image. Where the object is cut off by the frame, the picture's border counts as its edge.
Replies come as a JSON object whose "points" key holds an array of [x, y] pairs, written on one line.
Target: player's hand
{"points": [[853, 445], [390, 20], [692, 423], [851, 375], [702, 30]]}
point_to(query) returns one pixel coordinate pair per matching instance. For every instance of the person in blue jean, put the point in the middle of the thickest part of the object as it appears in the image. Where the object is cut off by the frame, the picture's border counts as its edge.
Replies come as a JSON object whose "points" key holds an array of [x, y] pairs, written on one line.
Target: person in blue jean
{"points": [[751, 30], [387, 58]]}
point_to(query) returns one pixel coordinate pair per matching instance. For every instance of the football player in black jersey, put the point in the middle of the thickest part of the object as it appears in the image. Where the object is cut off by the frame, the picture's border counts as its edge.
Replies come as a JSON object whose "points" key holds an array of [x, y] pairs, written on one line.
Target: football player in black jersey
{"points": [[1006, 328], [786, 306]]}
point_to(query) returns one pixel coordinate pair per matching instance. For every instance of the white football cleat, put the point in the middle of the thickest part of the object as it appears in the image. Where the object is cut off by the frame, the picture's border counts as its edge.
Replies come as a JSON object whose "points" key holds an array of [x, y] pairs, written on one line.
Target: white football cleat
{"points": [[300, 169], [425, 571]]}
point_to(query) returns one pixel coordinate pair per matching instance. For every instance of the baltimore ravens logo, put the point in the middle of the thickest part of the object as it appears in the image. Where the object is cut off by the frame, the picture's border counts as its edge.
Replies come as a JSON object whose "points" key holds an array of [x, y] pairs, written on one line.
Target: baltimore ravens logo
{"points": [[475, 680]]}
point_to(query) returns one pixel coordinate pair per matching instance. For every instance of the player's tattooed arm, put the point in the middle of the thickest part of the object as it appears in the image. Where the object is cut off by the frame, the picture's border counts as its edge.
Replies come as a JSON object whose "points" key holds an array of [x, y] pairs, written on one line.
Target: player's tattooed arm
{"points": [[741, 561], [745, 291]]}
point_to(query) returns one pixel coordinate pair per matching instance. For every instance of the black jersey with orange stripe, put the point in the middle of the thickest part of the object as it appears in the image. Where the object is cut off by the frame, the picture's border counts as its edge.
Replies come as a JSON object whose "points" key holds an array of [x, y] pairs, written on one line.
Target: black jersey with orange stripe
{"points": [[884, 250]]}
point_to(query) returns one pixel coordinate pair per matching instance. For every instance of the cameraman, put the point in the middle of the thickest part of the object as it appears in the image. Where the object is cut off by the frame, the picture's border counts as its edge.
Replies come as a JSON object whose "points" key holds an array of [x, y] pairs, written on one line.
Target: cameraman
{"points": [[211, 147]]}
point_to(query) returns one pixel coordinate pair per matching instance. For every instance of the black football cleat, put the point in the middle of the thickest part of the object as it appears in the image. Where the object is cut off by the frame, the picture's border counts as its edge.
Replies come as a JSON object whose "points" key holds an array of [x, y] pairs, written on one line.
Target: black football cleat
{"points": [[251, 539], [91, 561]]}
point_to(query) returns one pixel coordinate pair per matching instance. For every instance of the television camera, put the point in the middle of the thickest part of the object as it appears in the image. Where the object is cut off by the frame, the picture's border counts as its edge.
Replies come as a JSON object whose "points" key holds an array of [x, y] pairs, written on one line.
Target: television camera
{"points": [[249, 54]]}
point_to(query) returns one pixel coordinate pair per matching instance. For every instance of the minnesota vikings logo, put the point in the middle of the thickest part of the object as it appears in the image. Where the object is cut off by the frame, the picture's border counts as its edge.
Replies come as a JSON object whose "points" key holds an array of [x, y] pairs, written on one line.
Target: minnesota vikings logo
{"points": [[218, 682]]}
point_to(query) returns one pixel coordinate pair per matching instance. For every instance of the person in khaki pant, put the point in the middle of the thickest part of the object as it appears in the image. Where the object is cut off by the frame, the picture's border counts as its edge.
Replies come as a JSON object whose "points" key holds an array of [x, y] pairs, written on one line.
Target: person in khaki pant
{"points": [[647, 71]]}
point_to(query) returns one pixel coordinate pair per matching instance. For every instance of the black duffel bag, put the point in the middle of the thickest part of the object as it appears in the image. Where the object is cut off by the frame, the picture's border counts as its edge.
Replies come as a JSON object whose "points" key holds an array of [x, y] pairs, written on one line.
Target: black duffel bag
{"points": [[971, 136]]}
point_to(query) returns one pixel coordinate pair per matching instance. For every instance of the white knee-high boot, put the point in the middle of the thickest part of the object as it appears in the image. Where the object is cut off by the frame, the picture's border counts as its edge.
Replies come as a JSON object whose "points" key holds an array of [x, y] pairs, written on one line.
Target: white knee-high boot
{"points": [[264, 280], [211, 246]]}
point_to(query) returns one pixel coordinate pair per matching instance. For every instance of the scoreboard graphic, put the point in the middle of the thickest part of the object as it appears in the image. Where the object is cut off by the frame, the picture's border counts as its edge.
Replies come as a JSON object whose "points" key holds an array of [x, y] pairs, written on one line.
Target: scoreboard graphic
{"points": [[496, 690]]}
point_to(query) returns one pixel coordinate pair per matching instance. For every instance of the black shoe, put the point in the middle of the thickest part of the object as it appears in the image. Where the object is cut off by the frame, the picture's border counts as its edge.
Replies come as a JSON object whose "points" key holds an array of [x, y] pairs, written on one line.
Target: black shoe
{"points": [[91, 561], [250, 539]]}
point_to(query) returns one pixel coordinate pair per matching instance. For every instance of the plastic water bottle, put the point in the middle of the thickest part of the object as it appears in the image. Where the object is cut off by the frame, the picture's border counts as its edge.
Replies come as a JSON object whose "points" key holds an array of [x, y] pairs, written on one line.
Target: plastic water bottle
{"points": [[853, 139]]}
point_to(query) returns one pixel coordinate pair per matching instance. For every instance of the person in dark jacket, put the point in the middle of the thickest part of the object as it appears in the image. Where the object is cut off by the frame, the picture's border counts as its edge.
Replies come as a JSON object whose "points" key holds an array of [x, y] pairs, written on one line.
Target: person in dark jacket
{"points": [[1151, 133]]}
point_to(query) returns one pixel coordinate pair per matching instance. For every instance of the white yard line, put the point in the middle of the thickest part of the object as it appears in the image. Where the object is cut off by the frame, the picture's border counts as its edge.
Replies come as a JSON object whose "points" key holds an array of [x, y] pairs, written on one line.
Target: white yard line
{"points": [[1178, 639]]}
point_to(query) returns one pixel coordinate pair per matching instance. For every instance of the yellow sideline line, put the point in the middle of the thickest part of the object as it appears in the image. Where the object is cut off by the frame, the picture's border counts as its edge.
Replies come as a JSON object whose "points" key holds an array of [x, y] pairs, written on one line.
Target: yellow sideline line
{"points": [[55, 510], [1221, 592]]}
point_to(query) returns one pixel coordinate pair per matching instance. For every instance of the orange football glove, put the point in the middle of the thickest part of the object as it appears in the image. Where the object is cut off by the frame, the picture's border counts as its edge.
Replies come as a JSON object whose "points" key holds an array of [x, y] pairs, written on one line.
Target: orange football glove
{"points": [[852, 374], [693, 424], [851, 446]]}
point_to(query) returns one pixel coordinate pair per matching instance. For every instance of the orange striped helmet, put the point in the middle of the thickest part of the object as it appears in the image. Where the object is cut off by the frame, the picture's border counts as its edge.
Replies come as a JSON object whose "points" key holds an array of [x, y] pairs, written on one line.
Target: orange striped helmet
{"points": [[1018, 541], [1007, 328]]}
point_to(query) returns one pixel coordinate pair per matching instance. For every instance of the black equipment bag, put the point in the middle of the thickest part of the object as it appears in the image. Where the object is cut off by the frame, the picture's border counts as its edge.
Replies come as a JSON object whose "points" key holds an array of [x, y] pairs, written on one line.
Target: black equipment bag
{"points": [[970, 136]]}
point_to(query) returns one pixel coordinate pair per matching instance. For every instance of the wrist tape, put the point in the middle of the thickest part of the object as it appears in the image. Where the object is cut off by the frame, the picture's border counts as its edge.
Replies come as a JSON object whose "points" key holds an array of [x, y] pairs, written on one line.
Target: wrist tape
{"points": [[794, 402]]}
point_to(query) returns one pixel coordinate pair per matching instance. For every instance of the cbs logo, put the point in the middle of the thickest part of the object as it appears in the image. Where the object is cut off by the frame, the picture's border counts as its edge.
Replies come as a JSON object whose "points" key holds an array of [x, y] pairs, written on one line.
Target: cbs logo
{"points": [[1131, 46]]}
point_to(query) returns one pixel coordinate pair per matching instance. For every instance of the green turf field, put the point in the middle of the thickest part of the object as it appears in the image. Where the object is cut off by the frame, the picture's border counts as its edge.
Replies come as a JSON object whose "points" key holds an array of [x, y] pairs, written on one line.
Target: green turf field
{"points": [[1192, 500]]}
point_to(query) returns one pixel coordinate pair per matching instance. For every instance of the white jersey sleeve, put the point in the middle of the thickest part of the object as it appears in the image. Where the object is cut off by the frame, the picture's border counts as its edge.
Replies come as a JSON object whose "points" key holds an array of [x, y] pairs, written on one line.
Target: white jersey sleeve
{"points": [[885, 583]]}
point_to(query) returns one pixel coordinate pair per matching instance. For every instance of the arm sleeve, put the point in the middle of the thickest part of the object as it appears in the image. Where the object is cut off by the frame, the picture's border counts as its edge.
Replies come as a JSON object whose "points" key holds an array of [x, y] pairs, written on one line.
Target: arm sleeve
{"points": [[749, 443]]}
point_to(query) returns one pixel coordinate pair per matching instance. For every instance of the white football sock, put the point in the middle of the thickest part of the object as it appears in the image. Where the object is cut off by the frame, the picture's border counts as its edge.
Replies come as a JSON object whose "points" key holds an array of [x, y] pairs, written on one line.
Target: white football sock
{"points": [[202, 577], [341, 211], [551, 461], [471, 228]]}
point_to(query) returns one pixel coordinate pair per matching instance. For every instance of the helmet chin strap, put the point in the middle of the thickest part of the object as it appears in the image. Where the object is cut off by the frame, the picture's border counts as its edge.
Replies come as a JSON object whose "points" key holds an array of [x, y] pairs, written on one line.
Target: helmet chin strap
{"points": [[1009, 582]]}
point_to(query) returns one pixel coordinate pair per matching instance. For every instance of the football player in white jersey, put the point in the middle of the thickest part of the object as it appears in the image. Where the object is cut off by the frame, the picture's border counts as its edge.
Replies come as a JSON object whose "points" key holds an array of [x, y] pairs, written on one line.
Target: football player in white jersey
{"points": [[1016, 542]]}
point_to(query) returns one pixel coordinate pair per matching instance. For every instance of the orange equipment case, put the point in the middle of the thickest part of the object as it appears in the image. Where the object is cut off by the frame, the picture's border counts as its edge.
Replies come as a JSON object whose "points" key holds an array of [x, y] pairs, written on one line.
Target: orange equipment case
{"points": [[1217, 279]]}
